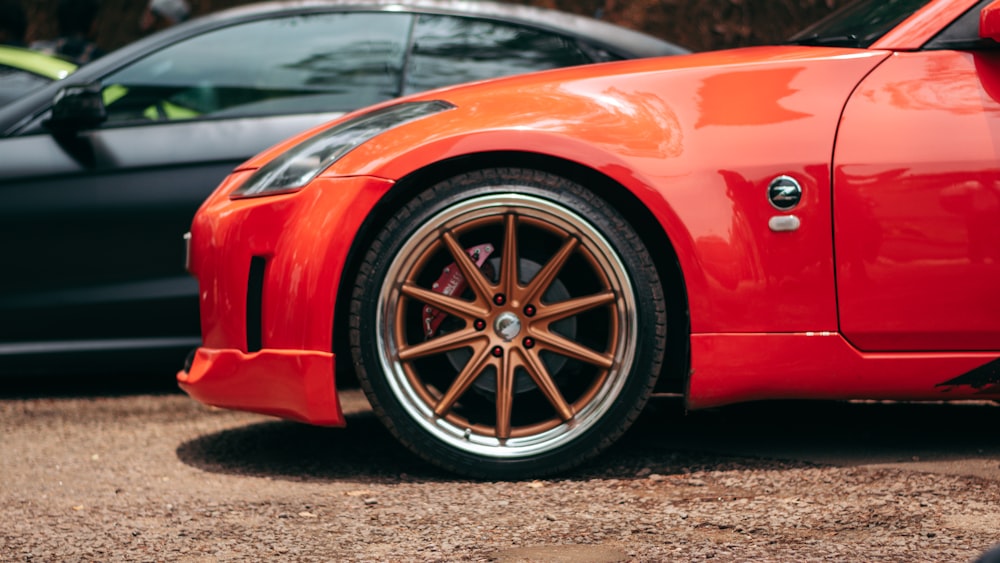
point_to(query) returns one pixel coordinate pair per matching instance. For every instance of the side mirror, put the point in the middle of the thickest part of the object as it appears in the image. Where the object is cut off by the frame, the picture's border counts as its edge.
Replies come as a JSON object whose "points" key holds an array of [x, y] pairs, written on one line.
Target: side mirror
{"points": [[989, 22], [76, 108]]}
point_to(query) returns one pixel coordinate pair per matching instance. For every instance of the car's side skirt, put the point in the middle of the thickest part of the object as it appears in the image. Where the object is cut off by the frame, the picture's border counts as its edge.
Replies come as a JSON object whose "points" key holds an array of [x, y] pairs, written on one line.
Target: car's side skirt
{"points": [[730, 368]]}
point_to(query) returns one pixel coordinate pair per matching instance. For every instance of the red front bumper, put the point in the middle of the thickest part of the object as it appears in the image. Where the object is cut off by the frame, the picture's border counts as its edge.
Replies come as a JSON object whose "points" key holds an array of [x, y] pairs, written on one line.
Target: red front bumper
{"points": [[267, 333], [294, 384]]}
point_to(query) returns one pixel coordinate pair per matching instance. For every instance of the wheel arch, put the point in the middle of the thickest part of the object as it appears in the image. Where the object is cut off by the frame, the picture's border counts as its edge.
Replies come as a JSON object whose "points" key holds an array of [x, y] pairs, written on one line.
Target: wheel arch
{"points": [[673, 377]]}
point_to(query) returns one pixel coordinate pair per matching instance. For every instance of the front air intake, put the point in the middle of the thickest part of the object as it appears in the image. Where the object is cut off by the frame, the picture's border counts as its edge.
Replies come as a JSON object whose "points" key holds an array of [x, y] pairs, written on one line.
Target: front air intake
{"points": [[255, 304]]}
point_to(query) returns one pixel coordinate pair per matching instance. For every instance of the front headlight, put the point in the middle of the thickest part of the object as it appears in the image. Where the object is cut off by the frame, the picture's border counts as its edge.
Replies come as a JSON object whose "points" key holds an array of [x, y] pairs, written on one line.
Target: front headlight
{"points": [[300, 164]]}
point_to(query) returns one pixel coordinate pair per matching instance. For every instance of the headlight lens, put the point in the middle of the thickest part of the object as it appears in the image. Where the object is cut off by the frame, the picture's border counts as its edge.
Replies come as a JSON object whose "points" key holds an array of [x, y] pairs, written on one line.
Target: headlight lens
{"points": [[300, 164]]}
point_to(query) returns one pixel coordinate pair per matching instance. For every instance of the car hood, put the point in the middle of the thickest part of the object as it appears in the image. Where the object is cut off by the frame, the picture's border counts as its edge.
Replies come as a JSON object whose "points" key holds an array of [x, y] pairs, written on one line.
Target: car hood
{"points": [[36, 62], [665, 68], [617, 101]]}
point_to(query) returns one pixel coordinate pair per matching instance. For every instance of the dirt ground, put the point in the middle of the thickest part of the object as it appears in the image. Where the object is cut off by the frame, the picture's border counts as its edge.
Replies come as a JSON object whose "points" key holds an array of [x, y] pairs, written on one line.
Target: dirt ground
{"points": [[150, 475]]}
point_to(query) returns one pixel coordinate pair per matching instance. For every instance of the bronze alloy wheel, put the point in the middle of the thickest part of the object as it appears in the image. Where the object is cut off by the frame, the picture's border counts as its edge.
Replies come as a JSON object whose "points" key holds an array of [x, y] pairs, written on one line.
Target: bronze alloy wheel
{"points": [[503, 325]]}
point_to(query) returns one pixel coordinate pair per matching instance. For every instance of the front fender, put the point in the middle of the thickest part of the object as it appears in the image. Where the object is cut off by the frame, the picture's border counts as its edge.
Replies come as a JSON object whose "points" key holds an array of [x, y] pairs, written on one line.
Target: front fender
{"points": [[696, 140]]}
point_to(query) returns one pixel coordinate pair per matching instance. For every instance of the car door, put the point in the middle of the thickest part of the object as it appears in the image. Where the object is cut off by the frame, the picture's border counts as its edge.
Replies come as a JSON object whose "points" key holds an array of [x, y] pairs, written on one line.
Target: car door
{"points": [[917, 200], [92, 224]]}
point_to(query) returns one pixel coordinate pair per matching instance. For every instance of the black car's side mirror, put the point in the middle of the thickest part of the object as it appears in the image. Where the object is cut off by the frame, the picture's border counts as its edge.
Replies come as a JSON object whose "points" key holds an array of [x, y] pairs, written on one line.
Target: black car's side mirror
{"points": [[76, 108]]}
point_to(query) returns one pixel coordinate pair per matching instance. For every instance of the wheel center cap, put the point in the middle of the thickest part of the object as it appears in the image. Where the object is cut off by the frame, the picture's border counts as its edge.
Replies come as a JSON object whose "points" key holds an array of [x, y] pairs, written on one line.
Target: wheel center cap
{"points": [[507, 326]]}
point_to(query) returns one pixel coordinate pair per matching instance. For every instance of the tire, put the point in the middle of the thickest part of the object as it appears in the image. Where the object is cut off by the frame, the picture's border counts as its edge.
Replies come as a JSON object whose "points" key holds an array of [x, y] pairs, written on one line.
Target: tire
{"points": [[509, 369]]}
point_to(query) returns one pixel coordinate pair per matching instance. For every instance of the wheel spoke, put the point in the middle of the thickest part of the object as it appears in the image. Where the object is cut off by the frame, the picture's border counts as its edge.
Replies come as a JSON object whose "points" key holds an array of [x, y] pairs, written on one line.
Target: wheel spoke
{"points": [[475, 366], [536, 369], [441, 344], [555, 343], [572, 307], [543, 279], [448, 304], [508, 263], [505, 395], [476, 280]]}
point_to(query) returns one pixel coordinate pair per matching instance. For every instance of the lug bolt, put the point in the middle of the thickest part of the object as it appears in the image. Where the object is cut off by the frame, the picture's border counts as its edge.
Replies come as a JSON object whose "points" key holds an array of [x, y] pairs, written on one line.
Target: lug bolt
{"points": [[497, 351], [499, 299], [529, 342], [530, 310], [480, 324]]}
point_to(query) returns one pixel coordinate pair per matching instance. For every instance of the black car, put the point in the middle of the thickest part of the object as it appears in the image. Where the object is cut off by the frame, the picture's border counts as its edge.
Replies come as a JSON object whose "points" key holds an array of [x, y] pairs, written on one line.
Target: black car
{"points": [[101, 173]]}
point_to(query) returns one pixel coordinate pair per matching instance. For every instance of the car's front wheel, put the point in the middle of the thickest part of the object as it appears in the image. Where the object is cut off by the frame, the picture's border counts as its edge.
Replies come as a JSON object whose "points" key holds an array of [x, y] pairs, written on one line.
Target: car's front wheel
{"points": [[507, 323]]}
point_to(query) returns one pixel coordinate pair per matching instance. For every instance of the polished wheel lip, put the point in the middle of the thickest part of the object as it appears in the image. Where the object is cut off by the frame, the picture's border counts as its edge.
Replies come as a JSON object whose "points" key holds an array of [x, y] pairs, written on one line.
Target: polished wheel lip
{"points": [[416, 399]]}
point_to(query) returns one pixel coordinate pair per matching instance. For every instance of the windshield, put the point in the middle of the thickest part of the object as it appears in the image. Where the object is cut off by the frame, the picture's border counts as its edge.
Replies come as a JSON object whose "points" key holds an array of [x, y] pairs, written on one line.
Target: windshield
{"points": [[858, 24]]}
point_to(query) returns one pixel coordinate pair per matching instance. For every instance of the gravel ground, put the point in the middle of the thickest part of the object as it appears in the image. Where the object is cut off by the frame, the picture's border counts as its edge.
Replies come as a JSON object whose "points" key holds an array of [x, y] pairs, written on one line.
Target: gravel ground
{"points": [[158, 477]]}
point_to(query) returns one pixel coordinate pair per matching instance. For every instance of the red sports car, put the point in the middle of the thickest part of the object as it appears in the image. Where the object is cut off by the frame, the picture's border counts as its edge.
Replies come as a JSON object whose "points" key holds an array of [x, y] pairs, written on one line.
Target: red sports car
{"points": [[511, 268]]}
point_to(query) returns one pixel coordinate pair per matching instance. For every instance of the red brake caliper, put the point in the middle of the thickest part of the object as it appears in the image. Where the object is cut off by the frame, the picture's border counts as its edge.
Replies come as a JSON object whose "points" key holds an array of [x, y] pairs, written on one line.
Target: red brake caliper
{"points": [[451, 282]]}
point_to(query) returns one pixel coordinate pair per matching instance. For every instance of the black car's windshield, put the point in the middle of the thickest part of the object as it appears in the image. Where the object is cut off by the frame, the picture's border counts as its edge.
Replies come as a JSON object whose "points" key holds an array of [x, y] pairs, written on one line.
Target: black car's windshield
{"points": [[858, 24]]}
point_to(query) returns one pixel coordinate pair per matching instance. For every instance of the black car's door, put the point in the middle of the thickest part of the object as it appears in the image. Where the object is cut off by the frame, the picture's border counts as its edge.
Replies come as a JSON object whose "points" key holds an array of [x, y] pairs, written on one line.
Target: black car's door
{"points": [[95, 252], [92, 225]]}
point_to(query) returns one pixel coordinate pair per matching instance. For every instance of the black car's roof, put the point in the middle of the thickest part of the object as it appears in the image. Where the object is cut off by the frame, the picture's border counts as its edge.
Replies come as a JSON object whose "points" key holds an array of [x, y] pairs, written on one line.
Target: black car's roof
{"points": [[621, 40], [618, 40]]}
